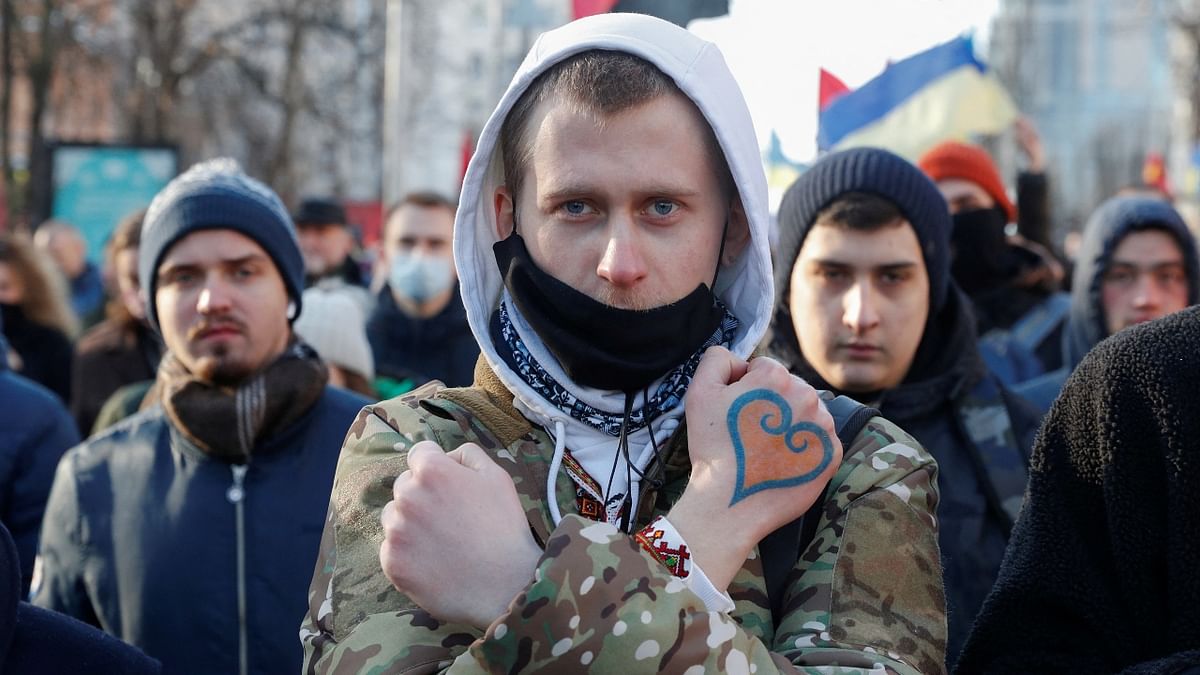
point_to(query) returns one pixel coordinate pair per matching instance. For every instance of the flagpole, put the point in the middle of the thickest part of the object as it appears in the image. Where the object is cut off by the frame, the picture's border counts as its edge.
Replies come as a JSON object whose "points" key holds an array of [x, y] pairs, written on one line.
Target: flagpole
{"points": [[393, 103]]}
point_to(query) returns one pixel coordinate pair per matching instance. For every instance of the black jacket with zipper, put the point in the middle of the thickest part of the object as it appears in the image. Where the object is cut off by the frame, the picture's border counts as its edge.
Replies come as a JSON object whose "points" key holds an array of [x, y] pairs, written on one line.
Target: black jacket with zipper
{"points": [[149, 538]]}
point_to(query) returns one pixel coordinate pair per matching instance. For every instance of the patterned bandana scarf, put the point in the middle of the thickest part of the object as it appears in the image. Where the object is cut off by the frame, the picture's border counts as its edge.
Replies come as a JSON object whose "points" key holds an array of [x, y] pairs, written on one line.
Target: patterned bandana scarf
{"points": [[227, 422], [666, 396]]}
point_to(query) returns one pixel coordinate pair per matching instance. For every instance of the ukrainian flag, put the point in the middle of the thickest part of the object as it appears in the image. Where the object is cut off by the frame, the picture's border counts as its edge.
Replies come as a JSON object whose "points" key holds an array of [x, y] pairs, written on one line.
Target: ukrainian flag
{"points": [[940, 94]]}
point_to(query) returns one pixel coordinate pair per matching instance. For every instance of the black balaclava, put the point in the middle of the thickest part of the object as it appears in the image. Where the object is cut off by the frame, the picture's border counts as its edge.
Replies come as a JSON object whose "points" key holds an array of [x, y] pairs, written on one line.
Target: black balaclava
{"points": [[982, 260]]}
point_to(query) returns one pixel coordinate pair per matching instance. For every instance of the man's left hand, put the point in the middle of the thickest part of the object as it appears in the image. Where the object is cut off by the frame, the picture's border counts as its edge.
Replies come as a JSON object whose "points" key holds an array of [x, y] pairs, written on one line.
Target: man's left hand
{"points": [[456, 540]]}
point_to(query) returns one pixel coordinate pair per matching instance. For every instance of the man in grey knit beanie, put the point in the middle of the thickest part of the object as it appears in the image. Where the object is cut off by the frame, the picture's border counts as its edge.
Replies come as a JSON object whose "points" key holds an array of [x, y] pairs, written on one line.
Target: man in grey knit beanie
{"points": [[201, 515]]}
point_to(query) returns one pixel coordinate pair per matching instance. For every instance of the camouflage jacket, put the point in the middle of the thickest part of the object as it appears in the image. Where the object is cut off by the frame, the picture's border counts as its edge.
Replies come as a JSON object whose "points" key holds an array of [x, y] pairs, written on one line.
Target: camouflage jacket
{"points": [[866, 595]]}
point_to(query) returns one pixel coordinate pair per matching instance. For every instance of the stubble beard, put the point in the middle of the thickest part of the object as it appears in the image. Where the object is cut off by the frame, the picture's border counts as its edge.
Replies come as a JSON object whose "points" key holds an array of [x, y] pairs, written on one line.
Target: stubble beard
{"points": [[632, 300]]}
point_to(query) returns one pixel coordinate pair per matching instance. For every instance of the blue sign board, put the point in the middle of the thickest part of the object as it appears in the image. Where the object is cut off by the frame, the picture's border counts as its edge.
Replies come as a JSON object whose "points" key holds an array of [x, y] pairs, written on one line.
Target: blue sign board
{"points": [[95, 186]]}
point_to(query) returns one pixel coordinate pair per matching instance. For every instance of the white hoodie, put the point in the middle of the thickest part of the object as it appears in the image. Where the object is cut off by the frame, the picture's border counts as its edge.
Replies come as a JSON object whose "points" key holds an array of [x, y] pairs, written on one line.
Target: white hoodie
{"points": [[746, 286]]}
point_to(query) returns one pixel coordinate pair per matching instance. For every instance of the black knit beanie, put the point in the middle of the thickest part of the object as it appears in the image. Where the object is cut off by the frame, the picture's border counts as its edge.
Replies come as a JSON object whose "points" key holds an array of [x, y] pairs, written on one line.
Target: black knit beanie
{"points": [[217, 195], [873, 171]]}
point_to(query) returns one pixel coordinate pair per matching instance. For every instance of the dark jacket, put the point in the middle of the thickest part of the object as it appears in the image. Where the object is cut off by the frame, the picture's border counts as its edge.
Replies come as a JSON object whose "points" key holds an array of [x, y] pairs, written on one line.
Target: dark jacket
{"points": [[438, 348], [166, 547], [35, 431], [1033, 208], [1100, 575], [350, 272], [1020, 320], [45, 352], [941, 398], [87, 294], [1086, 324], [35, 641], [108, 357]]}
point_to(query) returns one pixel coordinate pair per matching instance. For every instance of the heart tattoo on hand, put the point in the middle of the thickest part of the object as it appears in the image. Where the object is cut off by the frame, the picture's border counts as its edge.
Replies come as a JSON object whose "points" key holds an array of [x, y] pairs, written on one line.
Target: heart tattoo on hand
{"points": [[771, 451]]}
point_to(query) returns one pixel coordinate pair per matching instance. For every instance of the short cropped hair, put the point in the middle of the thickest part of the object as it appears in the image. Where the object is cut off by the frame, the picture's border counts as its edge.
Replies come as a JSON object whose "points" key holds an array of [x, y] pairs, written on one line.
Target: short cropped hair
{"points": [[601, 82], [859, 211], [426, 199]]}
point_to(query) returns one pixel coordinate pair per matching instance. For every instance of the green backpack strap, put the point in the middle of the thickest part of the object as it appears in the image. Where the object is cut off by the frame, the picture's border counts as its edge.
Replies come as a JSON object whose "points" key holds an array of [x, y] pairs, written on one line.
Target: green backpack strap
{"points": [[780, 549], [983, 418]]}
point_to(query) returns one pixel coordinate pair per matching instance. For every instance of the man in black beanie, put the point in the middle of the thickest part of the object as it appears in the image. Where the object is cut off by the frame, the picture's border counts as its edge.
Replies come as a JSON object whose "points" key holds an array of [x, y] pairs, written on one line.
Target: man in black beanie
{"points": [[190, 530], [327, 243], [1100, 575], [866, 308]]}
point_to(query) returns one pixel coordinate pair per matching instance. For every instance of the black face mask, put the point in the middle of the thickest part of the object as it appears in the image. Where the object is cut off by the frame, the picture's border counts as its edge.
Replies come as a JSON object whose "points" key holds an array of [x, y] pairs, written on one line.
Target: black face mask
{"points": [[11, 315], [983, 259], [601, 346]]}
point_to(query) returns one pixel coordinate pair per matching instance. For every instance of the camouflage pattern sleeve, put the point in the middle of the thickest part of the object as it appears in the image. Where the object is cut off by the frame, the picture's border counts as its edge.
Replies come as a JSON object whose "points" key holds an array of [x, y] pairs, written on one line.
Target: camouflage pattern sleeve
{"points": [[356, 621], [865, 597], [868, 590]]}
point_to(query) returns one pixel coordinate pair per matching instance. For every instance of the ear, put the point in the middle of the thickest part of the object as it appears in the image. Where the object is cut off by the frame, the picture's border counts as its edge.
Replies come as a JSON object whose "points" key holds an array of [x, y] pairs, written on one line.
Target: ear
{"points": [[737, 235], [503, 204]]}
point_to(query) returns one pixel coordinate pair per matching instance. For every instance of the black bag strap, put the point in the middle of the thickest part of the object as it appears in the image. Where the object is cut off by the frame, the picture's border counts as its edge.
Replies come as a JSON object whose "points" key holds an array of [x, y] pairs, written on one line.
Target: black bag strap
{"points": [[780, 549]]}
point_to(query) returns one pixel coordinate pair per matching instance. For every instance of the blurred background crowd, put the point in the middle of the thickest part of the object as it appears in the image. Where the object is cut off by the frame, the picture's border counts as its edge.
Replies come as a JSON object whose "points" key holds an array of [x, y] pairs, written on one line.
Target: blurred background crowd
{"points": [[362, 115]]}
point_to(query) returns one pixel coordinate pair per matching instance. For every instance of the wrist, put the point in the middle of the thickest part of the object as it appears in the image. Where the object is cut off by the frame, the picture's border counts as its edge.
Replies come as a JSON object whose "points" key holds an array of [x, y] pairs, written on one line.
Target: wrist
{"points": [[510, 586], [719, 542]]}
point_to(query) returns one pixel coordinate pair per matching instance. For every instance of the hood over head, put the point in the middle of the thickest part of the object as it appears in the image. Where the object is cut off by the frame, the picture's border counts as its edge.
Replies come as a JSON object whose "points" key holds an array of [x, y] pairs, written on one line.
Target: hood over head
{"points": [[700, 72], [1104, 230]]}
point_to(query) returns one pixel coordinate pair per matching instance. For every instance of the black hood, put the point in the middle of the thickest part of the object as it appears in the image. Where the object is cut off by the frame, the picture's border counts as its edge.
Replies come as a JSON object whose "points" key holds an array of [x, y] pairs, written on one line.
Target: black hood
{"points": [[1105, 229], [947, 362]]}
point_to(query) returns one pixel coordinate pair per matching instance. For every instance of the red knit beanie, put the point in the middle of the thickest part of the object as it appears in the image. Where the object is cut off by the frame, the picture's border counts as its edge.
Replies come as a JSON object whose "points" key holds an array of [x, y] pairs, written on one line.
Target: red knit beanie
{"points": [[952, 159]]}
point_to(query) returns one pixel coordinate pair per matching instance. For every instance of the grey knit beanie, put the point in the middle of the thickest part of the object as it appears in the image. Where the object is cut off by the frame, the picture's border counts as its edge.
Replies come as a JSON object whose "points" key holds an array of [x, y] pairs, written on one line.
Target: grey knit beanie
{"points": [[213, 195]]}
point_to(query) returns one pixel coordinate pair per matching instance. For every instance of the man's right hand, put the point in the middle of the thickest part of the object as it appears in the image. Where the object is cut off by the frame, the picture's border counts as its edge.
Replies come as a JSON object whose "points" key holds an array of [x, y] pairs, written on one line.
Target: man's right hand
{"points": [[762, 447]]}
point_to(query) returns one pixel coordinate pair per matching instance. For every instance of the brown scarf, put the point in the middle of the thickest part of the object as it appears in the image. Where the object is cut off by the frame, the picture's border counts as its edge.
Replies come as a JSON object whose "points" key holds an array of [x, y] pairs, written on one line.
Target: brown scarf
{"points": [[227, 422]]}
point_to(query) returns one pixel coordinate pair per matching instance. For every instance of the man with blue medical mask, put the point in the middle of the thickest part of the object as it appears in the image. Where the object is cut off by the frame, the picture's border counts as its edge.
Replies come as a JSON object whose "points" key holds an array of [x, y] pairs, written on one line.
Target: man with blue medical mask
{"points": [[418, 329]]}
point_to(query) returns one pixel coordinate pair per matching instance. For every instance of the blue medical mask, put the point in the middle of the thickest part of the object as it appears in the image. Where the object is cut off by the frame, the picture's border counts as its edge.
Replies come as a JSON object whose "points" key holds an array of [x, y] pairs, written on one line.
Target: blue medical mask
{"points": [[419, 277]]}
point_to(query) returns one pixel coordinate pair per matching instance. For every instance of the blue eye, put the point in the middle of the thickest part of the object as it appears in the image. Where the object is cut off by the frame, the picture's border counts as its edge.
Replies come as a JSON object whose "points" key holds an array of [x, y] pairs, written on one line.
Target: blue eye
{"points": [[664, 207], [575, 208]]}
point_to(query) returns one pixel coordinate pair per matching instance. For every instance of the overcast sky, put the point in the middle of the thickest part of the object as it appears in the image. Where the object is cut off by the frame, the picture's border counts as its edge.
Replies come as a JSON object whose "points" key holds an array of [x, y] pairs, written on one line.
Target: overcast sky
{"points": [[775, 48]]}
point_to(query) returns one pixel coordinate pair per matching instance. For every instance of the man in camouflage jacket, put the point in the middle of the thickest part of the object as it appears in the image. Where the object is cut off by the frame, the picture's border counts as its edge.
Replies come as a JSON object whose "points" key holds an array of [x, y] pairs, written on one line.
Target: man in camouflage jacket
{"points": [[443, 551]]}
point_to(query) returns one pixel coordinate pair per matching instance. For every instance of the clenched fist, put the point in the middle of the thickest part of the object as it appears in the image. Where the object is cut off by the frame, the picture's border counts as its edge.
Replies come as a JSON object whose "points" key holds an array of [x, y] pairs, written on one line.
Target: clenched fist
{"points": [[455, 537]]}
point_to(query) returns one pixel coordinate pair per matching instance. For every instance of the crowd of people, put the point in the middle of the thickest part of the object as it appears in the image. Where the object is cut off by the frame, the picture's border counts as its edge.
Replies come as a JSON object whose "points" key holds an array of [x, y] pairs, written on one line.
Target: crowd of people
{"points": [[605, 412]]}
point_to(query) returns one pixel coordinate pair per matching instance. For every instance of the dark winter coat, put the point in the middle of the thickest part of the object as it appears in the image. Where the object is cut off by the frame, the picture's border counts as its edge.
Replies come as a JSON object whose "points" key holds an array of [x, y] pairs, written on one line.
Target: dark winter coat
{"points": [[87, 294], [438, 348], [1100, 574], [44, 352], [35, 431], [35, 641], [167, 547], [108, 357]]}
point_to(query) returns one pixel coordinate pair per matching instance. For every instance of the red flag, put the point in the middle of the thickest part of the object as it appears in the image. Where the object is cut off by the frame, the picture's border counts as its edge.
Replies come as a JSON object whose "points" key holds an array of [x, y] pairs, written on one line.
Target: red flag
{"points": [[1154, 173], [465, 151], [830, 89], [582, 8]]}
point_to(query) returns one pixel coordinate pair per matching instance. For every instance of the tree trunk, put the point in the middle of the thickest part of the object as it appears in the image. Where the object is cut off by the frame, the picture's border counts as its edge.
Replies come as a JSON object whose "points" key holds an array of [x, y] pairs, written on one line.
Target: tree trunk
{"points": [[9, 187], [41, 71], [279, 172]]}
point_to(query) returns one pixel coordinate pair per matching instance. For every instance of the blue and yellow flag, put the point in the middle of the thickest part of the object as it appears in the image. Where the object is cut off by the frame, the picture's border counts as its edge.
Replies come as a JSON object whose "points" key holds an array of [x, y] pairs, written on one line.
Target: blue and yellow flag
{"points": [[940, 94]]}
